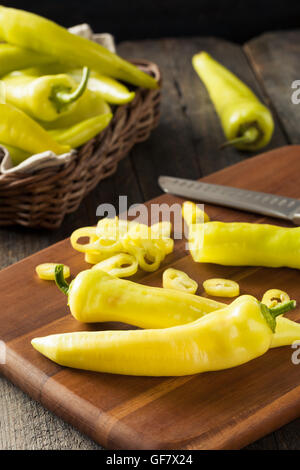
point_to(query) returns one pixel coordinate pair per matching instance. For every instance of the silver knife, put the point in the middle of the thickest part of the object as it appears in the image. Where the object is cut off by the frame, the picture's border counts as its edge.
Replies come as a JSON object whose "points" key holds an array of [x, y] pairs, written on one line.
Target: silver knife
{"points": [[281, 207]]}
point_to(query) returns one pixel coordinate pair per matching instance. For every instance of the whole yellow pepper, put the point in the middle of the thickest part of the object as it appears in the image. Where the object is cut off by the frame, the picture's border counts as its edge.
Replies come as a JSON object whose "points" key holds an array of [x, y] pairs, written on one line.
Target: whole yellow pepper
{"points": [[246, 122], [16, 58], [111, 90], [45, 98], [108, 88], [226, 338], [80, 133], [43, 36], [96, 296], [287, 331], [88, 106], [101, 297], [245, 244], [17, 129], [65, 138]]}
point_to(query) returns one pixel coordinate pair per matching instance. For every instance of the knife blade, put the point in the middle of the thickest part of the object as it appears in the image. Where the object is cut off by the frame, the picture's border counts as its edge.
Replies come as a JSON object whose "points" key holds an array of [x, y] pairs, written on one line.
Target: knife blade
{"points": [[272, 205]]}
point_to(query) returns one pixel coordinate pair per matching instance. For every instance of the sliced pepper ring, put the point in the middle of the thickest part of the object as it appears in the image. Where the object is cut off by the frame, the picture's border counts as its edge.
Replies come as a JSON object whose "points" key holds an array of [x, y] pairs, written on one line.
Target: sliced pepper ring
{"points": [[273, 297], [179, 280], [120, 265], [219, 287], [46, 271]]}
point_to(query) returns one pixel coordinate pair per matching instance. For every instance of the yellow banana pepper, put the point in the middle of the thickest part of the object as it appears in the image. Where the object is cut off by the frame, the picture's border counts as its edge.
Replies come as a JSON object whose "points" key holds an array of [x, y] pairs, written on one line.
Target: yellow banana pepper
{"points": [[226, 338], [246, 122], [82, 132], [69, 137], [287, 331], [245, 244], [111, 90], [88, 106], [101, 297], [44, 98], [33, 32], [96, 296], [20, 131], [16, 58]]}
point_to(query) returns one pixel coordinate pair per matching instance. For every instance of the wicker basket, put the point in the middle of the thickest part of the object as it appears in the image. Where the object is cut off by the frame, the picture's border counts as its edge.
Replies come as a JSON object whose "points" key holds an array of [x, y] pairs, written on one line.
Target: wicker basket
{"points": [[44, 197]]}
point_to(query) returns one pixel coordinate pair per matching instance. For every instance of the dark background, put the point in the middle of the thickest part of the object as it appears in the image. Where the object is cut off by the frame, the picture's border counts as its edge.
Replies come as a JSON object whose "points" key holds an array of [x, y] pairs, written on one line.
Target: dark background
{"points": [[138, 19]]}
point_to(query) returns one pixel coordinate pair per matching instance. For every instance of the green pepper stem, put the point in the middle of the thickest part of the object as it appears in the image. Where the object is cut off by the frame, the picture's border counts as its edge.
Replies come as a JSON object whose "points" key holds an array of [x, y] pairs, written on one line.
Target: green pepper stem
{"points": [[60, 280], [61, 96], [270, 314], [280, 309], [249, 137]]}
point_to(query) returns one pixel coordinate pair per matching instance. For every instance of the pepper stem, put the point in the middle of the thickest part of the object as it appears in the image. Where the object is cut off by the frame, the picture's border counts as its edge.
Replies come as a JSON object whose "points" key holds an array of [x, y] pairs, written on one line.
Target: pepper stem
{"points": [[249, 137], [280, 309], [60, 280], [62, 96], [270, 314]]}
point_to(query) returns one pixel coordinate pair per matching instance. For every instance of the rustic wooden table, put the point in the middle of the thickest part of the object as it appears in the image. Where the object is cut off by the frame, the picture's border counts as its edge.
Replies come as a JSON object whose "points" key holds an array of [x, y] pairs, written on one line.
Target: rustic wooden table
{"points": [[185, 144]]}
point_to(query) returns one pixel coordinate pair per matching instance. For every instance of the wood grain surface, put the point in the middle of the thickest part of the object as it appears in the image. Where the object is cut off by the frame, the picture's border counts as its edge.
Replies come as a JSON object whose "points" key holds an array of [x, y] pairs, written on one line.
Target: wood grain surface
{"points": [[185, 144], [216, 410]]}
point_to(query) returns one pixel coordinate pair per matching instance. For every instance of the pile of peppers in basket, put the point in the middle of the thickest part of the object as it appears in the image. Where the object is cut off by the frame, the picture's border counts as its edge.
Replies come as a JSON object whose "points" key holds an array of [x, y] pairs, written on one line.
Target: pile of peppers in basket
{"points": [[58, 87]]}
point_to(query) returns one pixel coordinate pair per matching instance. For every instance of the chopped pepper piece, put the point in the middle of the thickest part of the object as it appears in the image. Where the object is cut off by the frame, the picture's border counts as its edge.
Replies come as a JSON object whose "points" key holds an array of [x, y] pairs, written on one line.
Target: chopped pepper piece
{"points": [[273, 297], [192, 213], [120, 265], [221, 287], [179, 280], [46, 271]]}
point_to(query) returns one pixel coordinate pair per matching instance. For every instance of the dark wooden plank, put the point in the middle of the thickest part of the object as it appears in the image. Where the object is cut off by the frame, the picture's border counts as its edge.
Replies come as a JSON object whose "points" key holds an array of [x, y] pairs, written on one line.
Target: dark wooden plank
{"points": [[275, 60], [225, 409], [169, 150]]}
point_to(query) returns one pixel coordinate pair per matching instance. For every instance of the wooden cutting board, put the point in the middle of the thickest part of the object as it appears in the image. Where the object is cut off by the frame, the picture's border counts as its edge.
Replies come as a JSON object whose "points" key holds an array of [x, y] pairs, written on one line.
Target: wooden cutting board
{"points": [[215, 410]]}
